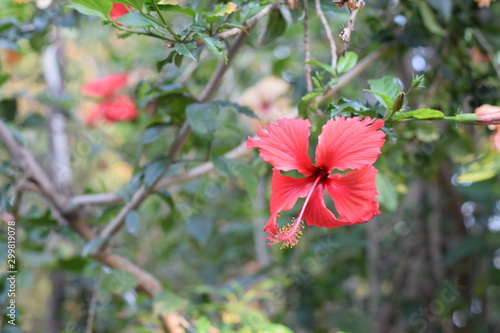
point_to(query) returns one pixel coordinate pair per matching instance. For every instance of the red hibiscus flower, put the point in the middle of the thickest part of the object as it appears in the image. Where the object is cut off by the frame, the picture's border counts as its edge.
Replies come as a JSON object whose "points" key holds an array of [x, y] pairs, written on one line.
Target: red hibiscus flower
{"points": [[118, 10], [112, 106], [345, 144], [106, 86]]}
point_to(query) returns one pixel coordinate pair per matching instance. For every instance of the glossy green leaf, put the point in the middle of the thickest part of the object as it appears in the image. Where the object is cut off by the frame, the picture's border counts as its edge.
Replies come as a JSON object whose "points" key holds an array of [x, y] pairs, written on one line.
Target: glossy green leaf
{"points": [[386, 86], [137, 4], [326, 67], [220, 11], [135, 19], [347, 62], [178, 9], [213, 44], [276, 26], [100, 8], [385, 100], [429, 20], [188, 49], [485, 168]]}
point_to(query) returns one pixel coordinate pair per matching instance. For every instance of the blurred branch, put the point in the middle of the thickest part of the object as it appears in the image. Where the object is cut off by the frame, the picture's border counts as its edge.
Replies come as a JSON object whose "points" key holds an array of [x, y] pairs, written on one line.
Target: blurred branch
{"points": [[373, 280], [345, 34], [31, 168], [93, 304], [140, 195], [360, 67], [328, 31], [59, 148], [248, 25], [489, 49], [307, 46], [113, 198]]}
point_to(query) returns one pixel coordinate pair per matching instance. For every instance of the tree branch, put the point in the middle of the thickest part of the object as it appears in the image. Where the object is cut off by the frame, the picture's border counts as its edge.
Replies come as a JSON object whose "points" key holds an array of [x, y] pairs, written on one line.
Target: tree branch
{"points": [[31, 168], [328, 31], [142, 193], [248, 25], [345, 34]]}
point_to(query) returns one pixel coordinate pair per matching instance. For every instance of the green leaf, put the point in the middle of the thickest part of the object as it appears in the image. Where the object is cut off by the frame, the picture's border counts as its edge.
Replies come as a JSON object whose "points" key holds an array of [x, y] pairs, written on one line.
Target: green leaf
{"points": [[238, 169], [203, 118], [155, 169], [188, 49], [213, 44], [444, 7], [388, 196], [276, 26], [429, 20], [92, 246], [234, 25], [326, 67], [178, 9], [420, 114], [200, 227], [8, 109], [485, 168], [4, 78], [135, 19], [168, 60], [100, 8], [132, 222], [221, 10], [166, 302], [347, 62], [118, 282], [311, 95], [137, 4], [385, 100], [238, 108], [388, 86]]}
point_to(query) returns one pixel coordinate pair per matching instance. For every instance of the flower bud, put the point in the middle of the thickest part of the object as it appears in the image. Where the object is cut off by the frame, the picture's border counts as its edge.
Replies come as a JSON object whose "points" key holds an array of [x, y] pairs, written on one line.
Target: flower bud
{"points": [[398, 102]]}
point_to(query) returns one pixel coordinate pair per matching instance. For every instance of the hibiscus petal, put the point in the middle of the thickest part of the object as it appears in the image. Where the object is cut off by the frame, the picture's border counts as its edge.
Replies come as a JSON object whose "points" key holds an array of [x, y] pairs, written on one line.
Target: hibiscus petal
{"points": [[285, 145], [316, 212], [106, 86], [354, 194], [347, 143], [119, 108], [285, 192]]}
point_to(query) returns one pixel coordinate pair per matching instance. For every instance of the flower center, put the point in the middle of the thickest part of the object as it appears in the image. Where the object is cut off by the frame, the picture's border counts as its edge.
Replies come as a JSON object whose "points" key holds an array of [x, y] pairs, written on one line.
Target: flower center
{"points": [[292, 232]]}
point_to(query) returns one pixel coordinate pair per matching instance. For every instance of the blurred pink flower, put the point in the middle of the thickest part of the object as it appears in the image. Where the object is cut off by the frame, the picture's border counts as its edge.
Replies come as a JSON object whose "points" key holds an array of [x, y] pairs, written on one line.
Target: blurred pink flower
{"points": [[112, 106], [491, 117]]}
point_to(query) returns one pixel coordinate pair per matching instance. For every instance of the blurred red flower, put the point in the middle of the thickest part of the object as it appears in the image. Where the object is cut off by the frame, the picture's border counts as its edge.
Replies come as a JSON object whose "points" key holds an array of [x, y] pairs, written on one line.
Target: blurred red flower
{"points": [[344, 144], [112, 106], [118, 10]]}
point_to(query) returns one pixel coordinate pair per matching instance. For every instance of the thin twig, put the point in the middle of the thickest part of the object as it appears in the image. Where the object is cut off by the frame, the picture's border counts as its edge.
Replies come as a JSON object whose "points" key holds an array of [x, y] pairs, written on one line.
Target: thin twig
{"points": [[31, 168], [346, 32], [248, 25], [360, 67], [93, 304], [328, 31], [307, 46], [489, 49]]}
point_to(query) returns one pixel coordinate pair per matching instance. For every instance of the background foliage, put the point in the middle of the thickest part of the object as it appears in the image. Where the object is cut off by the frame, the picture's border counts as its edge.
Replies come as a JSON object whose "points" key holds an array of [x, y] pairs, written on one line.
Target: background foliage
{"points": [[429, 263]]}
